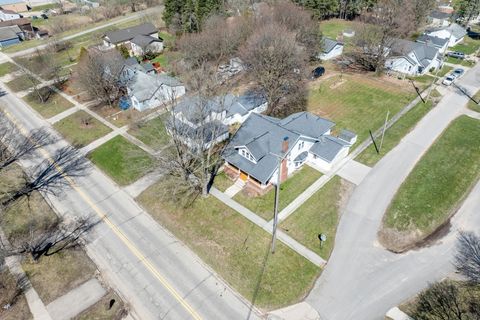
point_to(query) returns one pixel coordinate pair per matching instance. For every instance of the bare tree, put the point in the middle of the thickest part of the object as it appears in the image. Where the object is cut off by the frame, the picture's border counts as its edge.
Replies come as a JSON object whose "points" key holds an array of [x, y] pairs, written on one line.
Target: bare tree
{"points": [[441, 301], [467, 257], [276, 63], [50, 176], [99, 73], [379, 29]]}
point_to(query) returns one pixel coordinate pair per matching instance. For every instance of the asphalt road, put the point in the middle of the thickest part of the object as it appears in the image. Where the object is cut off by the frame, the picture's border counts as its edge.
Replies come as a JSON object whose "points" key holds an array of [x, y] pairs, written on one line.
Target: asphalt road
{"points": [[158, 275], [362, 280]]}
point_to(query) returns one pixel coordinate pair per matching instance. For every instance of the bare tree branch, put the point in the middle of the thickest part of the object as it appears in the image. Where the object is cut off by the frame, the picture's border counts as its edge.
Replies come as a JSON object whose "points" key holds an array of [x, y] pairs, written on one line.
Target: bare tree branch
{"points": [[467, 258]]}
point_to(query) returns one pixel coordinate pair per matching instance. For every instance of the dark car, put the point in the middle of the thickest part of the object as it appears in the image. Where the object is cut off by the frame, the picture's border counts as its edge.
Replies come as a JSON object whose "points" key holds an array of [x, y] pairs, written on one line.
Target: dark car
{"points": [[44, 16], [318, 72], [456, 54]]}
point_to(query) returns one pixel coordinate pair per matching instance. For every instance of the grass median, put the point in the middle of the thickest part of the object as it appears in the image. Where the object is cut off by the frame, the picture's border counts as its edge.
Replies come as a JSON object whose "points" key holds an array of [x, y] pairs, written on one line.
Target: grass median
{"points": [[53, 105], [289, 190], [436, 187], [235, 248]]}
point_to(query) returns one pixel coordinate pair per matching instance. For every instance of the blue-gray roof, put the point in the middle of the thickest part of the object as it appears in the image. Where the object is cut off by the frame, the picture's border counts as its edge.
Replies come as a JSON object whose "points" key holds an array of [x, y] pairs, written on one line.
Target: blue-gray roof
{"points": [[122, 35], [436, 41], [328, 147], [307, 124], [329, 44]]}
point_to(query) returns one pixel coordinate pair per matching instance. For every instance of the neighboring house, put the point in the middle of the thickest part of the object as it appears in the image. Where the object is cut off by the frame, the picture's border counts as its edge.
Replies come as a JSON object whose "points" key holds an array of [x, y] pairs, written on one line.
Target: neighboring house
{"points": [[10, 35], [24, 24], [439, 18], [138, 39], [413, 58], [6, 14], [147, 90], [14, 5], [439, 43], [253, 153], [330, 49], [454, 33]]}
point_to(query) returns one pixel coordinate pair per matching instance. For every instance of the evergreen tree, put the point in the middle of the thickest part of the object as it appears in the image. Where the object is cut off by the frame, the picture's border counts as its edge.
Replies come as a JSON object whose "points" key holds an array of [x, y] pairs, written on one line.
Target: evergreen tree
{"points": [[191, 13]]}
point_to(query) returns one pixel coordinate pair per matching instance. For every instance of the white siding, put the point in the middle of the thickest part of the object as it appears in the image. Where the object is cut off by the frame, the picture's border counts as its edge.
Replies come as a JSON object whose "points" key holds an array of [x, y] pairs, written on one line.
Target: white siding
{"points": [[335, 52]]}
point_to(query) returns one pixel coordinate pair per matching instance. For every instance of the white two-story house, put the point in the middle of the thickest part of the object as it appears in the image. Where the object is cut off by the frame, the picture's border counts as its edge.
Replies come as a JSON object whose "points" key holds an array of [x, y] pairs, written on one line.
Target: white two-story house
{"points": [[413, 58], [138, 40]]}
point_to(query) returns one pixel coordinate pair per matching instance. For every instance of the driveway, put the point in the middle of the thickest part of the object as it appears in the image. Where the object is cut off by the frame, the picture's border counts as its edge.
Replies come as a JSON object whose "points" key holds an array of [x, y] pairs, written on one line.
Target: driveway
{"points": [[362, 280]]}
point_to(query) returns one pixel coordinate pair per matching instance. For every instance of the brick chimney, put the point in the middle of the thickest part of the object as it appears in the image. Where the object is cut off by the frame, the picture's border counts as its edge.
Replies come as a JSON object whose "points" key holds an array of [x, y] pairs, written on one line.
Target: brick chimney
{"points": [[284, 161]]}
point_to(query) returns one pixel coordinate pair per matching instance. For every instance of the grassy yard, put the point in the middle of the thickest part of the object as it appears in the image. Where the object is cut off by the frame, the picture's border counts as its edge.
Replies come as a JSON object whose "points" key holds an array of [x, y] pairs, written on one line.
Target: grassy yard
{"points": [[222, 182], [123, 161], [468, 46], [18, 310], [81, 128], [334, 27], [101, 311], [6, 68], [464, 62], [358, 103], [319, 214], [395, 133], [53, 106], [444, 71], [472, 105], [438, 183], [152, 132], [289, 190], [21, 83], [235, 248], [55, 275]]}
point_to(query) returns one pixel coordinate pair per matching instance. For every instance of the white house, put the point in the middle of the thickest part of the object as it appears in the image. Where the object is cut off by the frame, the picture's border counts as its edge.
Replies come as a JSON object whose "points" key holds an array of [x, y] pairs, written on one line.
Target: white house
{"points": [[454, 33], [149, 90], [263, 144], [330, 49], [8, 15], [412, 58], [138, 40], [439, 43]]}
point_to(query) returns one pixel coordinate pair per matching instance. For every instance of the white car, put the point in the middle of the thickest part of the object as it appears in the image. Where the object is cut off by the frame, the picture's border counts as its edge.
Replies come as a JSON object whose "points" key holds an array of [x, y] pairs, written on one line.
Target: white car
{"points": [[448, 80]]}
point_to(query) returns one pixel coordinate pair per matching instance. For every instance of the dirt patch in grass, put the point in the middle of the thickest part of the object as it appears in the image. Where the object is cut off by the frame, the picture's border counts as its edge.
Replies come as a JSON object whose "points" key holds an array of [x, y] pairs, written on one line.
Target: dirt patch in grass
{"points": [[53, 105], [81, 128], [19, 307], [123, 161], [55, 275], [102, 310], [289, 190], [319, 214], [236, 249], [436, 187]]}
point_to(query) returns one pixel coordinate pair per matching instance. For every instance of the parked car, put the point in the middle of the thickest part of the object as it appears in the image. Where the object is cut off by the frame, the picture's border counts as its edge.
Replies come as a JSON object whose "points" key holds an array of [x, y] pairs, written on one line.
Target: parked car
{"points": [[318, 72], [458, 72], [34, 17], [44, 16], [456, 54], [448, 80]]}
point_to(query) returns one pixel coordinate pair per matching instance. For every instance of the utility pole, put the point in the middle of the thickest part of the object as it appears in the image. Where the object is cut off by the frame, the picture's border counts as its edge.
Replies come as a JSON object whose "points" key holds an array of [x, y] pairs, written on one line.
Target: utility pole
{"points": [[275, 208], [384, 128]]}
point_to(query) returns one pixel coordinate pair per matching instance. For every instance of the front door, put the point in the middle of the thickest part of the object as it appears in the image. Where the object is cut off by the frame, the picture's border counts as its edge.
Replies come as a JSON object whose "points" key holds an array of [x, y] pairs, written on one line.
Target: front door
{"points": [[243, 176]]}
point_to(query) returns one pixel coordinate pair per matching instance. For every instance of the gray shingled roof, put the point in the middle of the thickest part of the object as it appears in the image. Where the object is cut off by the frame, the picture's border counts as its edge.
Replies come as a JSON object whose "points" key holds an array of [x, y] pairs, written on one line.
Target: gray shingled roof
{"points": [[263, 137], [329, 44], [122, 35], [8, 33], [144, 86], [347, 135], [435, 41], [143, 41], [439, 15], [328, 147], [457, 30], [423, 52]]}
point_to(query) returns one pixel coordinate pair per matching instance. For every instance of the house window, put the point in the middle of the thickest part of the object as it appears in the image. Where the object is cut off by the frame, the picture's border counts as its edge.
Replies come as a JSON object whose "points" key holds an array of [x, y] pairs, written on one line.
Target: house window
{"points": [[300, 145]]}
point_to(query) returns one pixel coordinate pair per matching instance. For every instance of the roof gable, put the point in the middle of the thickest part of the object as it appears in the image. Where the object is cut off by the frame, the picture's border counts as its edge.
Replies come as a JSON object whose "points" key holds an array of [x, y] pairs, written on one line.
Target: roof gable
{"points": [[123, 35]]}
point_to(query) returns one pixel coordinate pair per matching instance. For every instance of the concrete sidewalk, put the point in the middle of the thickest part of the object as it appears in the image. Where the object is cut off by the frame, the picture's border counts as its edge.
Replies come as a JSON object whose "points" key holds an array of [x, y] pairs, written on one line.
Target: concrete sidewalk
{"points": [[354, 172], [136, 188], [77, 300]]}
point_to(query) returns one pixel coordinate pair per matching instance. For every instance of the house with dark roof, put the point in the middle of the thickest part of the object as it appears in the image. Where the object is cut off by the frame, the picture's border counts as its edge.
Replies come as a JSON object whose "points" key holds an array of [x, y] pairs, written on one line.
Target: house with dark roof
{"points": [[330, 49], [454, 33], [10, 35], [6, 14], [265, 144], [439, 43], [413, 58], [147, 90], [14, 5], [138, 40]]}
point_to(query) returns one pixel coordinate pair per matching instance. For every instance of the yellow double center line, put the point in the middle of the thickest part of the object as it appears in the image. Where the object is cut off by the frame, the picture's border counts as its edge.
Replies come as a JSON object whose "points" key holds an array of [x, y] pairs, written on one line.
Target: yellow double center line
{"points": [[133, 249]]}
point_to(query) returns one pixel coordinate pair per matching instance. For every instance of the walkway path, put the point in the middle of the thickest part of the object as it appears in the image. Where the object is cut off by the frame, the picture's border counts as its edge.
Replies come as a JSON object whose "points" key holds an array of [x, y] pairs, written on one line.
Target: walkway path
{"points": [[287, 240], [362, 280], [136, 188], [77, 300]]}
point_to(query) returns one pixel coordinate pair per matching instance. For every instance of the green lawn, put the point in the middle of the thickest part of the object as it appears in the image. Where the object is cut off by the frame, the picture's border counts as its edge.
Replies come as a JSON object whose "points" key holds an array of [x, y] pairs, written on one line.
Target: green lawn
{"points": [[468, 46], [472, 105], [444, 71], [395, 133], [359, 103], [55, 275], [222, 182], [152, 132], [439, 182], [51, 107], [235, 248], [123, 161], [45, 7], [334, 27], [80, 128], [6, 68], [319, 214], [101, 310], [289, 190], [165, 59], [21, 83], [464, 62]]}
